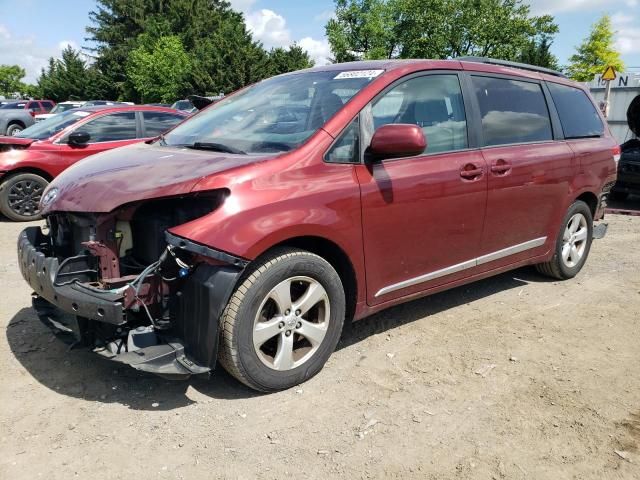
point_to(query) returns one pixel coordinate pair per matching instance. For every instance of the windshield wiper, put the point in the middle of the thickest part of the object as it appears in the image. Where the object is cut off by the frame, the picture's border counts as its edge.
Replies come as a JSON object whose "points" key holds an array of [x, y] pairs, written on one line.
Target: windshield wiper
{"points": [[215, 147]]}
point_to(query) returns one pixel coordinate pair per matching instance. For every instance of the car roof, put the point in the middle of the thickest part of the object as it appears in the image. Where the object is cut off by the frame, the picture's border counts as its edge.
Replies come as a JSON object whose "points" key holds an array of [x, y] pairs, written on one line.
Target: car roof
{"points": [[127, 108], [427, 64]]}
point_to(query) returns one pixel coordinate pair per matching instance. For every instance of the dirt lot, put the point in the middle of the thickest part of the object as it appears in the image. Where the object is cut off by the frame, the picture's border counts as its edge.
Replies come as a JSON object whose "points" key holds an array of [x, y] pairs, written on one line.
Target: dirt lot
{"points": [[512, 377]]}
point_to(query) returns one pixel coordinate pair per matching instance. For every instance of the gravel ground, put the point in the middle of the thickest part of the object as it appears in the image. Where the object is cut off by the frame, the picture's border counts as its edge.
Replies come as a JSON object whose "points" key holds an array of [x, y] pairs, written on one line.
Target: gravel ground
{"points": [[511, 377]]}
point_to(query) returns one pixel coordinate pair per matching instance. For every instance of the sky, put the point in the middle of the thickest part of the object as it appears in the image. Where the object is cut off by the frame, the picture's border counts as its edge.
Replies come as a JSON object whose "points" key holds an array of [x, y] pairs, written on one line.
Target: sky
{"points": [[39, 29]]}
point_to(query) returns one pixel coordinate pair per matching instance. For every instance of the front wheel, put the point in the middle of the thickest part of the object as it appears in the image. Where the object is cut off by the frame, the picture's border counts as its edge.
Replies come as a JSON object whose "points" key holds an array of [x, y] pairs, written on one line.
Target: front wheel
{"points": [[283, 321], [20, 196], [572, 245], [13, 130]]}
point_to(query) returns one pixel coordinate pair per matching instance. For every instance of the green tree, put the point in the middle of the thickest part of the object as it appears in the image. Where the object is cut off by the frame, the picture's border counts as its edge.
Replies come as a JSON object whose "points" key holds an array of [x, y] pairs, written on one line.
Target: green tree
{"points": [[11, 79], [370, 29], [538, 52], [223, 56], [70, 77], [159, 72], [283, 60], [595, 53]]}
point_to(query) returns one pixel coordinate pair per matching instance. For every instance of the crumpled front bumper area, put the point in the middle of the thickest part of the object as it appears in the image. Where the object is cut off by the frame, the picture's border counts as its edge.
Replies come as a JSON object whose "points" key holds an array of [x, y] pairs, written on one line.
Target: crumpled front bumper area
{"points": [[66, 302]]}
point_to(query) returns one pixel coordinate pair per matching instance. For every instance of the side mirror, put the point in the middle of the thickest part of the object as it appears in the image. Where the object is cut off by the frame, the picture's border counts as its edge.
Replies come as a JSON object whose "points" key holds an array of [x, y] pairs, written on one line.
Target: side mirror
{"points": [[78, 139], [397, 140]]}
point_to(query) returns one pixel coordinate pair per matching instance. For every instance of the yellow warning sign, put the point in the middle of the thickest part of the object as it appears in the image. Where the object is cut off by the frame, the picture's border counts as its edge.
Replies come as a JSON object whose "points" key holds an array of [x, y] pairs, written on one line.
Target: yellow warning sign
{"points": [[609, 73]]}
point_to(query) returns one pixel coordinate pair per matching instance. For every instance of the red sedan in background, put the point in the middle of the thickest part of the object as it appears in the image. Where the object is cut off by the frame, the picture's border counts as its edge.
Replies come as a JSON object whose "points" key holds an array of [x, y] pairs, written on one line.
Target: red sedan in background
{"points": [[31, 159]]}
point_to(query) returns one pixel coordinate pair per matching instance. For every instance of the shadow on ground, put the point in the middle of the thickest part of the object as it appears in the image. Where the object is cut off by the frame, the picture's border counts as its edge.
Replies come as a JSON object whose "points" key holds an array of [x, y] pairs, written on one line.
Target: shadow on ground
{"points": [[82, 374]]}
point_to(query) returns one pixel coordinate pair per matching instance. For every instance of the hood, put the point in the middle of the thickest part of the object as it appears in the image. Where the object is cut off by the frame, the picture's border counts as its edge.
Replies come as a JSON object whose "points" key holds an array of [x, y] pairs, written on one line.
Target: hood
{"points": [[13, 143], [137, 172], [16, 141]]}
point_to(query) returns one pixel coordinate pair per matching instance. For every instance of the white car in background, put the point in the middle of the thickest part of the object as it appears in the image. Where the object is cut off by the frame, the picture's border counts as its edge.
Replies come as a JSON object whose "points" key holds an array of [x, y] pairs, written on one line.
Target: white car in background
{"points": [[59, 108]]}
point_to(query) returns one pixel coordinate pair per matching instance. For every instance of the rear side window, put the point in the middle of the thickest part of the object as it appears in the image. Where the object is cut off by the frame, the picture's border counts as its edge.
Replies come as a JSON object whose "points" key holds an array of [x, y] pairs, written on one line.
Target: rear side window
{"points": [[111, 128], [33, 106], [512, 111], [156, 123], [47, 106], [578, 114]]}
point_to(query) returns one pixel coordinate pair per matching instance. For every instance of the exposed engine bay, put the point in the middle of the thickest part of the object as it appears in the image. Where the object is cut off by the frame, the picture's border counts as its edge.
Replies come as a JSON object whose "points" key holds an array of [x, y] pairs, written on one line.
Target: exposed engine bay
{"points": [[122, 285]]}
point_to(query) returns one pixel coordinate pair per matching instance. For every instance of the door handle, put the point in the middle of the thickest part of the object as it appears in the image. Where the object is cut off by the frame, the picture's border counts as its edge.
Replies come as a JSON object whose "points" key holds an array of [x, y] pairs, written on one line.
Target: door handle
{"points": [[500, 167], [470, 171]]}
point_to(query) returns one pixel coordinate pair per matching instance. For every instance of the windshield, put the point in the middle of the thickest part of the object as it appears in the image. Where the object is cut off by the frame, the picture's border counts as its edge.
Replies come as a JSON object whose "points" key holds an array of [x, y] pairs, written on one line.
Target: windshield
{"points": [[63, 107], [274, 115], [14, 106], [51, 126]]}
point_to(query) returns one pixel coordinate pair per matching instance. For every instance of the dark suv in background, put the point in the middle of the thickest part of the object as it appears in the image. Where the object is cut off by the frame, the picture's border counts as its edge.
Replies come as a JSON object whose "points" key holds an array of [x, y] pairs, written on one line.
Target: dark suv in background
{"points": [[250, 231]]}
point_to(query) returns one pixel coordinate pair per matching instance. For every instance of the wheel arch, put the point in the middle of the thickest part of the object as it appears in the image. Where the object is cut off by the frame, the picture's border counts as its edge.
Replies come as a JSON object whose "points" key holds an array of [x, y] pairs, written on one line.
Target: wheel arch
{"points": [[16, 122], [36, 171], [333, 254], [590, 199]]}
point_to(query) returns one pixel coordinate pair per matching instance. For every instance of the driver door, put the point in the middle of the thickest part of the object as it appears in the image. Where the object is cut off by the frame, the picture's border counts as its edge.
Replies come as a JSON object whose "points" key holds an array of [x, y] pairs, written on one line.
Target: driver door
{"points": [[108, 131], [422, 215]]}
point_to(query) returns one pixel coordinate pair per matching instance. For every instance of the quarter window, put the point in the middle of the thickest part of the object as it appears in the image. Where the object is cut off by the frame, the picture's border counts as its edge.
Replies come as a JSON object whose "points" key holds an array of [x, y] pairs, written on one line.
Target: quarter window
{"points": [[434, 103], [512, 111], [156, 123], [347, 148], [578, 114], [111, 128]]}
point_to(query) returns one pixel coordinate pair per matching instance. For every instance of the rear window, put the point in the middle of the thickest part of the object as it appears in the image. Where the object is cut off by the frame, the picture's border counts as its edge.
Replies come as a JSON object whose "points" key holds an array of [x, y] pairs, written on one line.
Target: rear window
{"points": [[47, 105], [578, 114], [34, 106], [513, 111]]}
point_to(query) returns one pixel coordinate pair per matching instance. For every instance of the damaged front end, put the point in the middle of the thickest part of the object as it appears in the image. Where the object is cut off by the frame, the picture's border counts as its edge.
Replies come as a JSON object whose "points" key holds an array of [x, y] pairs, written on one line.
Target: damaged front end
{"points": [[122, 285]]}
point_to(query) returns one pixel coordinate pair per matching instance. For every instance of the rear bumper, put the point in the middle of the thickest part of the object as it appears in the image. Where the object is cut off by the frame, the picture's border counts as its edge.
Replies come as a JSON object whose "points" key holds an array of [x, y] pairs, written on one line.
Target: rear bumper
{"points": [[188, 347]]}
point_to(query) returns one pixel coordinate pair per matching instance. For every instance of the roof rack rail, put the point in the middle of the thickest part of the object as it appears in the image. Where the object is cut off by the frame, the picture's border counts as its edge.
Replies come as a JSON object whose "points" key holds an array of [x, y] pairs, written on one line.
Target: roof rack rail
{"points": [[506, 63]]}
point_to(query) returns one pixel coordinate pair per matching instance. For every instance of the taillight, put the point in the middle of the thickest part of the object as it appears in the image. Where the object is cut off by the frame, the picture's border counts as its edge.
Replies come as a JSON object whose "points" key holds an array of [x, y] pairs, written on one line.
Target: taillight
{"points": [[32, 112], [616, 154]]}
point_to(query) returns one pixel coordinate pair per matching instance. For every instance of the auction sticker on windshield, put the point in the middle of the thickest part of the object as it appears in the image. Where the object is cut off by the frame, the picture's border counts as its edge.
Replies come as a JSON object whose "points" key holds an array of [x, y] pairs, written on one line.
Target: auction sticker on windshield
{"points": [[358, 74]]}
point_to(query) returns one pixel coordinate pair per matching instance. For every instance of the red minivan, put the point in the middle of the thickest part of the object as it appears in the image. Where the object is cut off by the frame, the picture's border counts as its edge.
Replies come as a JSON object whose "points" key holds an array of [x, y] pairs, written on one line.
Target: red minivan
{"points": [[251, 231], [30, 159]]}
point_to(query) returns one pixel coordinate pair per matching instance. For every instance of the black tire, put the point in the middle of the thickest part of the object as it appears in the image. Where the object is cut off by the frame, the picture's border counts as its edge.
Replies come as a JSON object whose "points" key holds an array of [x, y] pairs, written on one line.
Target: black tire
{"points": [[32, 185], [557, 267], [13, 129], [237, 352]]}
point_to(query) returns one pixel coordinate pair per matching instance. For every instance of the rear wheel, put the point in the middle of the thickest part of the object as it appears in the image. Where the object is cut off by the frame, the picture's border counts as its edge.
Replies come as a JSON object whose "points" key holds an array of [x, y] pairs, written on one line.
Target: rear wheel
{"points": [[14, 129], [283, 321], [572, 245], [20, 196]]}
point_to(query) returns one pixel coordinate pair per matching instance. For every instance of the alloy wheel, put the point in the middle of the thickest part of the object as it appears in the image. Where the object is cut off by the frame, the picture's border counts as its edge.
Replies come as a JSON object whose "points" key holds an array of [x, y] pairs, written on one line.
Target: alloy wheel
{"points": [[291, 323], [24, 197], [574, 240]]}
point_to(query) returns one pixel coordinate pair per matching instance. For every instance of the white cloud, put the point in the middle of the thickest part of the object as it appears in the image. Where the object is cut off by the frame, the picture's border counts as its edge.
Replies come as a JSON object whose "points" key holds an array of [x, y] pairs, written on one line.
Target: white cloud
{"points": [[67, 43], [24, 51], [539, 7], [627, 32], [269, 28], [318, 50], [327, 15]]}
